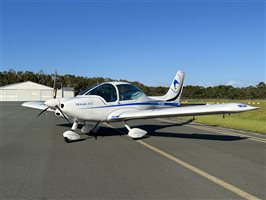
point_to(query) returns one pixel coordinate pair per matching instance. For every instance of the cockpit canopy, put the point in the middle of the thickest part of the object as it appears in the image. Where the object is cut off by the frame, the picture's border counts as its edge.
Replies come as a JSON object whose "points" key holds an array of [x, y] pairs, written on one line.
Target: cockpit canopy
{"points": [[128, 92], [113, 92]]}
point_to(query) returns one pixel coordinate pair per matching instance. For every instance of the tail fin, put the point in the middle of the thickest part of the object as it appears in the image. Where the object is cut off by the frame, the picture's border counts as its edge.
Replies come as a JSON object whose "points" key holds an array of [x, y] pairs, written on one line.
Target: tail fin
{"points": [[175, 90]]}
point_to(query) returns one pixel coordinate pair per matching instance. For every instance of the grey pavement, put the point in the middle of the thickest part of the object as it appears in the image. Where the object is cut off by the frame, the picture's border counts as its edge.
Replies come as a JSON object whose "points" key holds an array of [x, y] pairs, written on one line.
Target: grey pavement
{"points": [[36, 163]]}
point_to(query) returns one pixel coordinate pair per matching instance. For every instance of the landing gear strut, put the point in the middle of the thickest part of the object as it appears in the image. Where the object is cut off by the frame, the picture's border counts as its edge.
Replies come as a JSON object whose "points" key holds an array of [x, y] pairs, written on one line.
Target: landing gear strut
{"points": [[90, 128]]}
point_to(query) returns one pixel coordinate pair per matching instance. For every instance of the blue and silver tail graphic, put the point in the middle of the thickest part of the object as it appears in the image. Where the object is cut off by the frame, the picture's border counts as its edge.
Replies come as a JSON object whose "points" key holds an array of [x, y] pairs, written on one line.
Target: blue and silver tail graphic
{"points": [[175, 90]]}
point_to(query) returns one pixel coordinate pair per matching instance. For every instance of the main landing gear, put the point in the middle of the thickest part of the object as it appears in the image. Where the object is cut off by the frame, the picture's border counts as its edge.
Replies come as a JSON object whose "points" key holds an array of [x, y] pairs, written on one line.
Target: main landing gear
{"points": [[135, 133], [71, 136]]}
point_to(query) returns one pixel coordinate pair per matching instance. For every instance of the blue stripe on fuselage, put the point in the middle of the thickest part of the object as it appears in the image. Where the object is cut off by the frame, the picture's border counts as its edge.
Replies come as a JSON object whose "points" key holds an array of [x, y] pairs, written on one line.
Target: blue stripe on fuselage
{"points": [[172, 104]]}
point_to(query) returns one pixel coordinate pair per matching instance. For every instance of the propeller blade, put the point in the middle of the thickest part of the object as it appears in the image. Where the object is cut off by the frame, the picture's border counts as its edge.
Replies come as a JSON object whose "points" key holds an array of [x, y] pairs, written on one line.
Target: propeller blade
{"points": [[62, 113], [42, 112], [55, 85]]}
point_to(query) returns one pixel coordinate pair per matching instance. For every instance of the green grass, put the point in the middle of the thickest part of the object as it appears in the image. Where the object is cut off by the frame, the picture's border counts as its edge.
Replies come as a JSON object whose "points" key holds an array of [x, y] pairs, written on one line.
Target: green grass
{"points": [[253, 121]]}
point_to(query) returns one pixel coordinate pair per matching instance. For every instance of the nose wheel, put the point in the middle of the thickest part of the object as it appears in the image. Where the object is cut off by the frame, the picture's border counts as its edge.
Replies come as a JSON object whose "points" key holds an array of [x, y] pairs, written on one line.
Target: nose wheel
{"points": [[67, 140], [70, 136]]}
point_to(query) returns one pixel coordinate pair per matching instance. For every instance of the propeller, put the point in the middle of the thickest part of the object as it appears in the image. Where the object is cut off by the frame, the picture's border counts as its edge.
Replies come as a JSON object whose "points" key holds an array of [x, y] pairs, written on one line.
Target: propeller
{"points": [[62, 113], [53, 104], [55, 85], [48, 102], [42, 111]]}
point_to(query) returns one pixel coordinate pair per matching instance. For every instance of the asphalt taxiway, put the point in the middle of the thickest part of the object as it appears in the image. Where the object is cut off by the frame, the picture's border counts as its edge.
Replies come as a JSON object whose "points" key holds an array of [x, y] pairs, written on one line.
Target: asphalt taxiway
{"points": [[177, 160]]}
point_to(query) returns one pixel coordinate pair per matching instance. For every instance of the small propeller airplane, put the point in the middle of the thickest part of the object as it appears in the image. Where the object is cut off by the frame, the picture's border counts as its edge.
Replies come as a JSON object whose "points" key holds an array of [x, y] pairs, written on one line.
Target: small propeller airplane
{"points": [[121, 101]]}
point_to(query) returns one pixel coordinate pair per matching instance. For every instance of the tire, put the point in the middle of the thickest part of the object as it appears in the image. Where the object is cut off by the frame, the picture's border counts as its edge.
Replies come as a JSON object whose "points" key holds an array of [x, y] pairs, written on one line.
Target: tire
{"points": [[67, 140]]}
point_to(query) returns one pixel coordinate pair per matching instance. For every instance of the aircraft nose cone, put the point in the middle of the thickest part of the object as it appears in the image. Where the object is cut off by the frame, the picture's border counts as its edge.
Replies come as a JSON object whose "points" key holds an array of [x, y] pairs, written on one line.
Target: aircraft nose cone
{"points": [[52, 102]]}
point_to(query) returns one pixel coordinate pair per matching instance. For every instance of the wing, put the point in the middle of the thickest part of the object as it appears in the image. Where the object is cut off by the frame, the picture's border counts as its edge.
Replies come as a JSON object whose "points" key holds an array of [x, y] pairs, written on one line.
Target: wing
{"points": [[181, 111], [35, 104]]}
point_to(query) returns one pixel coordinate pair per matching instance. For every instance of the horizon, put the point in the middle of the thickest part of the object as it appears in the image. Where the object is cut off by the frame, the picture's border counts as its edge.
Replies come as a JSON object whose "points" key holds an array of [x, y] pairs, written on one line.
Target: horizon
{"points": [[214, 43], [111, 79]]}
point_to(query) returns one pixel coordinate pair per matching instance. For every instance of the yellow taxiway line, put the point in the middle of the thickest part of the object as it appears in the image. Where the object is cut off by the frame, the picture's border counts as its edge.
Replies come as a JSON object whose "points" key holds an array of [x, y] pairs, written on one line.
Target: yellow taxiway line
{"points": [[200, 172], [196, 170]]}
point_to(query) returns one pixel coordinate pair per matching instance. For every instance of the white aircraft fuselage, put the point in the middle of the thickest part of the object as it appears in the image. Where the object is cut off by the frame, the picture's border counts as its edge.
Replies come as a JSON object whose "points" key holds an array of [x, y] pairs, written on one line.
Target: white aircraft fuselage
{"points": [[95, 108]]}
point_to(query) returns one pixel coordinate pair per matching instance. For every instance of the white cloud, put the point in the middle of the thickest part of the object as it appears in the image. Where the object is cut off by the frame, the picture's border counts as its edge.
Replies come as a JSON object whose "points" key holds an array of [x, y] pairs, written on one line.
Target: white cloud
{"points": [[232, 83]]}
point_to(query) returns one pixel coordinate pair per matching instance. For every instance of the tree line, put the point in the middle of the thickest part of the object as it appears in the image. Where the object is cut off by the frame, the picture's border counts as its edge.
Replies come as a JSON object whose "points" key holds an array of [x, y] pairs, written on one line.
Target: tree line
{"points": [[80, 83]]}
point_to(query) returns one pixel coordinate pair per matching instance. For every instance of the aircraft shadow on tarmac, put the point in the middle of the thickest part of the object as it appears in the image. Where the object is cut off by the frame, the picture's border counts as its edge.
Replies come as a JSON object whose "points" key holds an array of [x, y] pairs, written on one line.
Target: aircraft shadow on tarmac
{"points": [[153, 131]]}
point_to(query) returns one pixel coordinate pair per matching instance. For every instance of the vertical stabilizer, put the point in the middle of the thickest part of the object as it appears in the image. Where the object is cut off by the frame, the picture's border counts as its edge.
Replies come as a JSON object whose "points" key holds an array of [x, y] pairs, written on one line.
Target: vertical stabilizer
{"points": [[175, 90]]}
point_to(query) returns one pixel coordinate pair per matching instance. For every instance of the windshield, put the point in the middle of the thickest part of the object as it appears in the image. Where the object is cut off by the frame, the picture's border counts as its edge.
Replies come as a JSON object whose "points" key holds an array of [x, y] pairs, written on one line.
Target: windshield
{"points": [[128, 92], [85, 91]]}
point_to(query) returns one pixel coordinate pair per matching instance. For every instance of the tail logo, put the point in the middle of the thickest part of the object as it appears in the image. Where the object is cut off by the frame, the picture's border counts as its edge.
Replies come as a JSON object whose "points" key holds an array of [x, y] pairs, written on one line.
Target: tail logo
{"points": [[175, 83]]}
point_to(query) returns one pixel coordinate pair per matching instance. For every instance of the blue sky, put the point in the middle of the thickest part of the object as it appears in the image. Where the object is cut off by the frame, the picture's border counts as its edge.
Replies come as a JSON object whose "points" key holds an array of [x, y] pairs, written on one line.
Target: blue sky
{"points": [[214, 42]]}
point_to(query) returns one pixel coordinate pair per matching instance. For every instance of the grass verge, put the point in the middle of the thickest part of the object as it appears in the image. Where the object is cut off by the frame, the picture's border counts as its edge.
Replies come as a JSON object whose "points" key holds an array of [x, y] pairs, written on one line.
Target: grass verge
{"points": [[253, 121]]}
